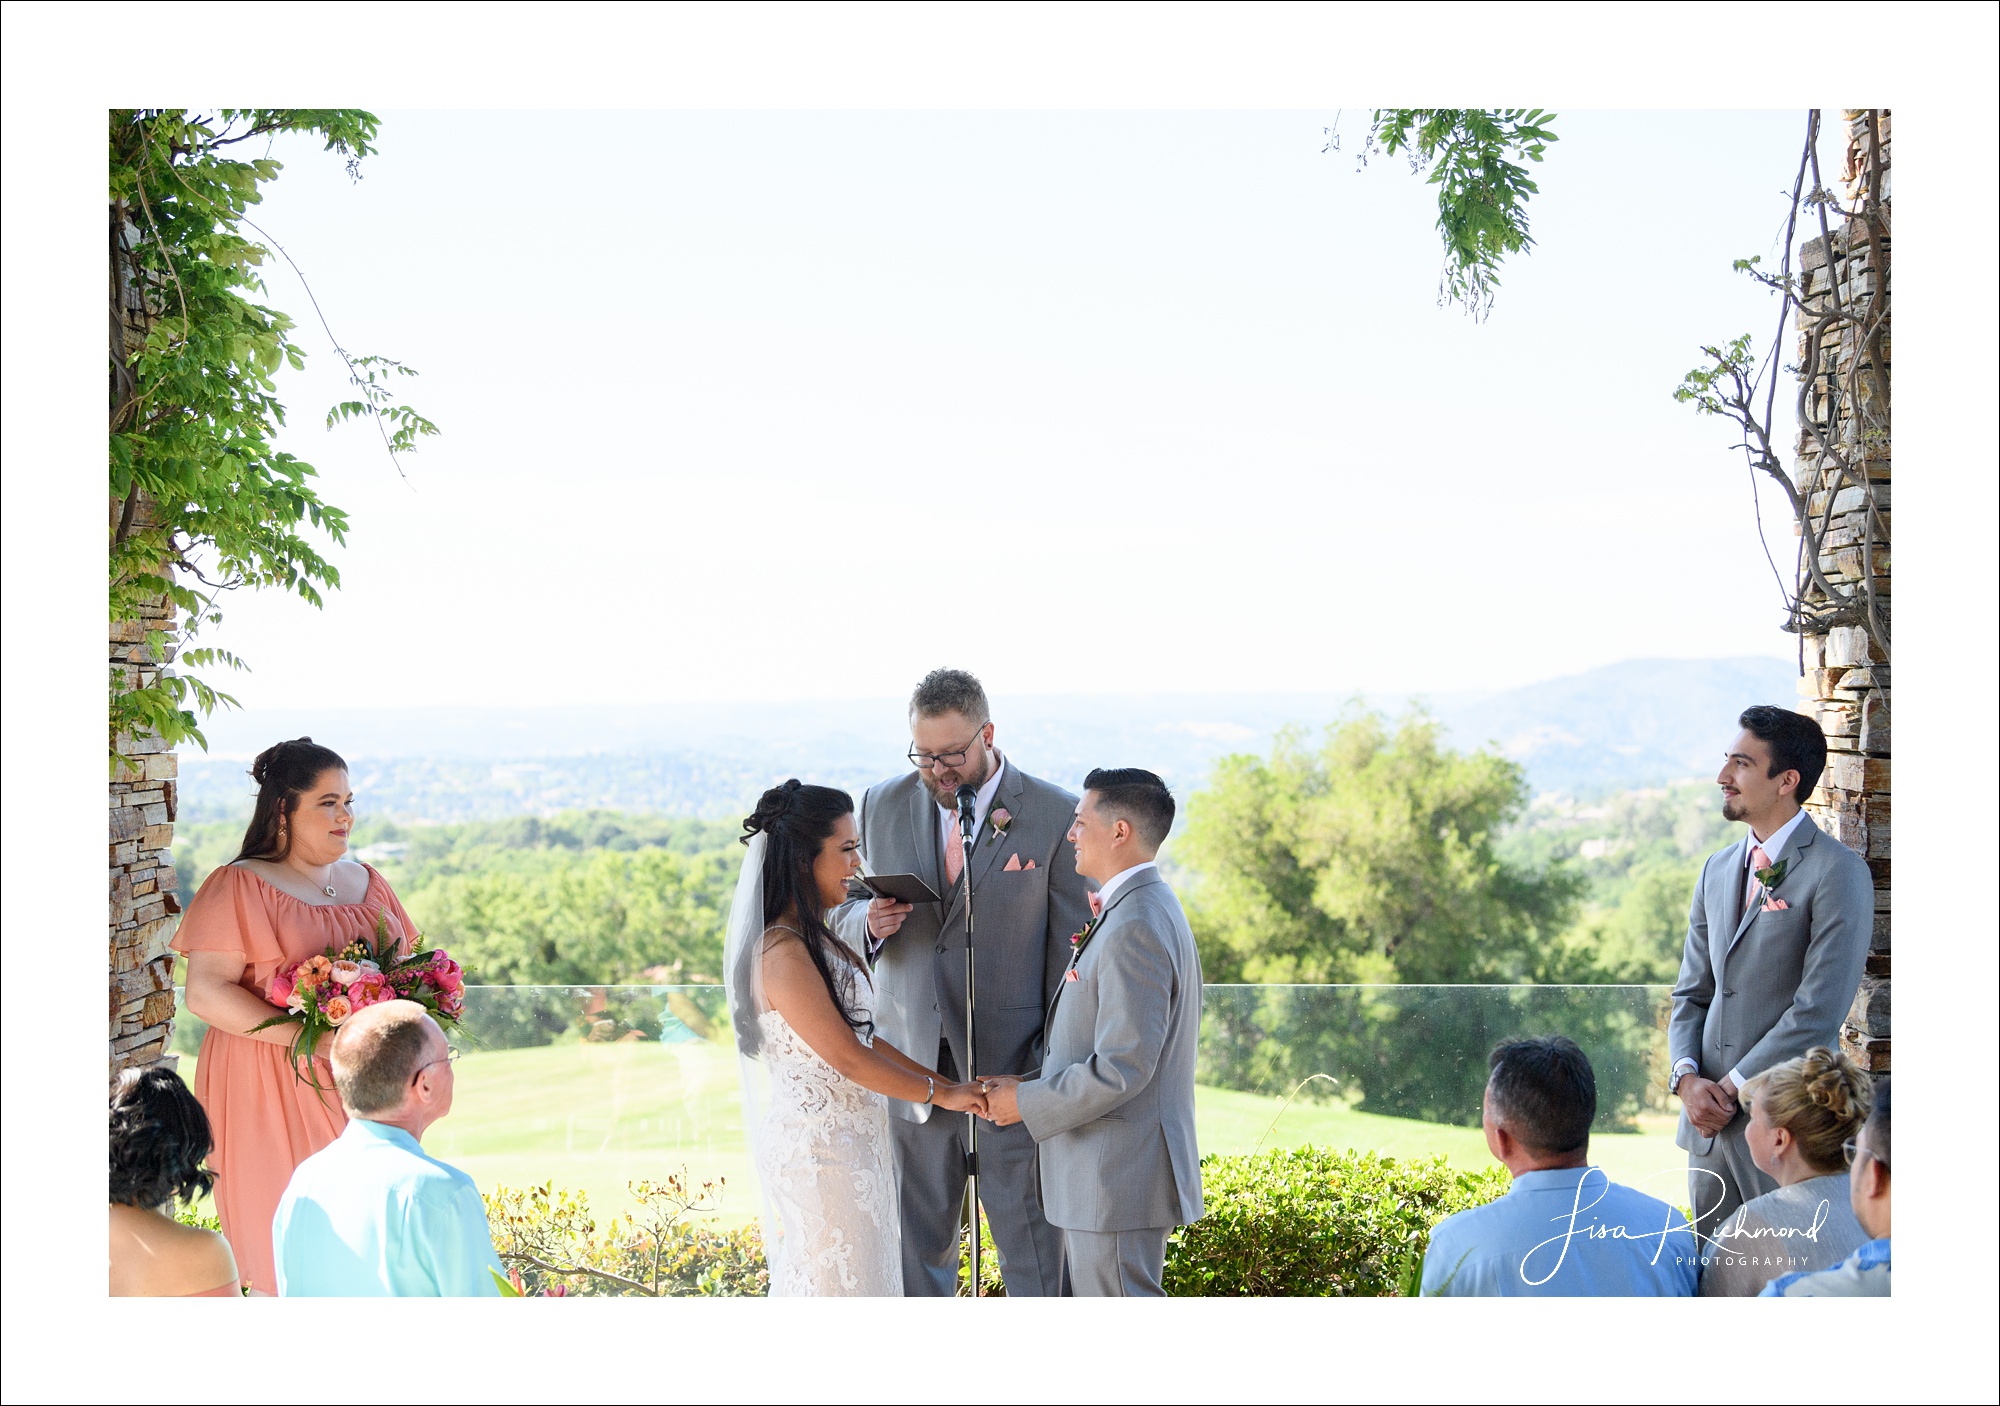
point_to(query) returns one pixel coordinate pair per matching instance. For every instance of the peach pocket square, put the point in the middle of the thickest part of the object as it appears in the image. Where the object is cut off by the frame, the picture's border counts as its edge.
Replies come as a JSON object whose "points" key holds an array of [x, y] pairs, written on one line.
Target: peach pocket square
{"points": [[1775, 905], [1015, 866]]}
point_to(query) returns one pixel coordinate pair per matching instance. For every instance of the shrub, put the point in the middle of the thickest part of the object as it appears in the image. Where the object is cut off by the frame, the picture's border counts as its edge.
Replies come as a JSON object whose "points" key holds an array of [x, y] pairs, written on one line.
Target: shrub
{"points": [[1315, 1222], [549, 1239]]}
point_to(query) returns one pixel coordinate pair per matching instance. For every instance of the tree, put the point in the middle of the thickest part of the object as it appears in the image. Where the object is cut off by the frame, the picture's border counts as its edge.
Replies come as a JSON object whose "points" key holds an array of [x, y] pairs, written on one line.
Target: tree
{"points": [[1371, 860], [202, 500], [1482, 189]]}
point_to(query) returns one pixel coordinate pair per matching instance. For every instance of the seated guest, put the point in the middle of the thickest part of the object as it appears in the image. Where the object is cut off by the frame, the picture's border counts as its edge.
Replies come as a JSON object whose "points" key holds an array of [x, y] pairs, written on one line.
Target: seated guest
{"points": [[371, 1214], [1565, 1228], [159, 1136], [1865, 1273], [1801, 1113]]}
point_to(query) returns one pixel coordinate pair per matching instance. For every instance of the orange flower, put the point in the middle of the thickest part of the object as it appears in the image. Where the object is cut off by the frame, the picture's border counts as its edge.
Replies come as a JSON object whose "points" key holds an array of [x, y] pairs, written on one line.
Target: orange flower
{"points": [[337, 1010]]}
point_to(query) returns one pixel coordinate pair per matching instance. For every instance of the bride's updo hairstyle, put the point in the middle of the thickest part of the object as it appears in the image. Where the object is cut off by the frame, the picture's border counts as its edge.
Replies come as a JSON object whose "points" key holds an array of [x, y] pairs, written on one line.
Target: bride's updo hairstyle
{"points": [[1821, 1098], [795, 820], [284, 774]]}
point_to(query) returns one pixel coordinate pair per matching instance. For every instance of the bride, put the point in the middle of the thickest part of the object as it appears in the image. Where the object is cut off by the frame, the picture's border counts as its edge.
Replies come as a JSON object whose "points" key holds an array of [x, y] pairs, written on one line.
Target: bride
{"points": [[816, 1083]]}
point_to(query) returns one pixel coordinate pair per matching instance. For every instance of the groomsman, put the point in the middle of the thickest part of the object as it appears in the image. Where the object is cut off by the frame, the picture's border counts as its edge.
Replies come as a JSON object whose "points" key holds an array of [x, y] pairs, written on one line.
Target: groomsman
{"points": [[1777, 940], [1113, 1109], [1027, 900]]}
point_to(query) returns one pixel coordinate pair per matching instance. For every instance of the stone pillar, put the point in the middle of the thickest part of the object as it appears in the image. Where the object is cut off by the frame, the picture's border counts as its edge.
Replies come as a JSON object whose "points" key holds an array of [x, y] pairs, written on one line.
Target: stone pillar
{"points": [[1845, 680], [143, 902]]}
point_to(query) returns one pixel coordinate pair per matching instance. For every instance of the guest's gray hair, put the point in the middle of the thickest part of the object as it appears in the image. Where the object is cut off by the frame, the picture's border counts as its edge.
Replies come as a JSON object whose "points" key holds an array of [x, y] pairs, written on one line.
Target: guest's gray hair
{"points": [[950, 691]]}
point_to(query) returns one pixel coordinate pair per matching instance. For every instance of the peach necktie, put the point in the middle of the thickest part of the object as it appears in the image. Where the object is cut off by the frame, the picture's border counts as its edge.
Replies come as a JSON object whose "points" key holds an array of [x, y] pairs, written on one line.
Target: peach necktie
{"points": [[954, 857], [1758, 860]]}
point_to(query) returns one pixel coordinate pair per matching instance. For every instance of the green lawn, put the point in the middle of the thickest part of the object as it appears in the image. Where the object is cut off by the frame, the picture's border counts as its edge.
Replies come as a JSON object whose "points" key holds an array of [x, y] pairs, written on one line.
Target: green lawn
{"points": [[593, 1116]]}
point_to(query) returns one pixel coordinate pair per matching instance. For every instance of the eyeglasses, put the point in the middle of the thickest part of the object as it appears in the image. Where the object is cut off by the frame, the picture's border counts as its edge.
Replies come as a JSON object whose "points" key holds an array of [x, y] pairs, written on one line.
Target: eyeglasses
{"points": [[926, 761], [1852, 1151], [450, 1056]]}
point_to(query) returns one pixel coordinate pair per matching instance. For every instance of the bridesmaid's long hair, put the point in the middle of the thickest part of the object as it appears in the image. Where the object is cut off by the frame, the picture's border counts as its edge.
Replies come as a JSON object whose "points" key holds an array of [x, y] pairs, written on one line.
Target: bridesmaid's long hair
{"points": [[283, 773], [795, 820]]}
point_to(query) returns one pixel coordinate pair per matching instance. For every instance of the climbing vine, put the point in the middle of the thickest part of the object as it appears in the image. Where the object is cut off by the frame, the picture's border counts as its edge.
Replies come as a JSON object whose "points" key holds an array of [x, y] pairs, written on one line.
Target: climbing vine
{"points": [[202, 501], [1840, 300]]}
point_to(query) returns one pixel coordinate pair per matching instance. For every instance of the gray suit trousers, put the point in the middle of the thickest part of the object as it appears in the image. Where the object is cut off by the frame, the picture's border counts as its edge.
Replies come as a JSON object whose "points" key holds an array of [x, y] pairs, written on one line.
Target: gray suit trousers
{"points": [[1117, 1264], [930, 1179], [1723, 1178]]}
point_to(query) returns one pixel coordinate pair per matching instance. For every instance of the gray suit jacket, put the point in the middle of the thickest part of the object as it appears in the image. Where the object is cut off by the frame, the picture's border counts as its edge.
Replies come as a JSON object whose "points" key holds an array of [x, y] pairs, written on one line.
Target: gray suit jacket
{"points": [[1757, 988], [1113, 1109], [1022, 919]]}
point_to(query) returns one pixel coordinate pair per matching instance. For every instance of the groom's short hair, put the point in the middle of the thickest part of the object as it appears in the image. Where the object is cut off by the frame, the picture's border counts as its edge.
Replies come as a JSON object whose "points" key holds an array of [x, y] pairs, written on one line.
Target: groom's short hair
{"points": [[1543, 1091], [1137, 797], [951, 691]]}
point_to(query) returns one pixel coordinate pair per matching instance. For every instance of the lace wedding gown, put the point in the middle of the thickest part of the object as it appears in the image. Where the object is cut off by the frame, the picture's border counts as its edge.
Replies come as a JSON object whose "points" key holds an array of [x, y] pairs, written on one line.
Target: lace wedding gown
{"points": [[822, 1152]]}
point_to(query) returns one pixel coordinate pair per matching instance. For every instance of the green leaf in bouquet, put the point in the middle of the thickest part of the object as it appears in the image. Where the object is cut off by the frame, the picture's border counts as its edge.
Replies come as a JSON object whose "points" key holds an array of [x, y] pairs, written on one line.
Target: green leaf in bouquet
{"points": [[288, 1018]]}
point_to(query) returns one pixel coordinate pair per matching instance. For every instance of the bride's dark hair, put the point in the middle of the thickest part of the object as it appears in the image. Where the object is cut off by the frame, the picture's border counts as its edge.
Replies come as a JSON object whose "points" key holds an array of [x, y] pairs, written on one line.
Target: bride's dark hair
{"points": [[795, 820]]}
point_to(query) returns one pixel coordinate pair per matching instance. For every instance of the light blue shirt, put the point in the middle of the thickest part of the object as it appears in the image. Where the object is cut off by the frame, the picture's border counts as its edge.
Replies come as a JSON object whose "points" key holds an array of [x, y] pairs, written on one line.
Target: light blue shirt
{"points": [[373, 1215], [1862, 1275], [1571, 1232]]}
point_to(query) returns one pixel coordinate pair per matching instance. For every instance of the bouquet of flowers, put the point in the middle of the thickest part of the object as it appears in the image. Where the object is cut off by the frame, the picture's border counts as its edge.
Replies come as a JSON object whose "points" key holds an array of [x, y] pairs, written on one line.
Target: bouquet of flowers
{"points": [[321, 992]]}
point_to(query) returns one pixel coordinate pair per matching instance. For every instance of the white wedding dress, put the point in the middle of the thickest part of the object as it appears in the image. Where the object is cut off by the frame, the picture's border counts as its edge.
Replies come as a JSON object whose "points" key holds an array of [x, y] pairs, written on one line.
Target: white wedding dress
{"points": [[819, 1141], [822, 1154]]}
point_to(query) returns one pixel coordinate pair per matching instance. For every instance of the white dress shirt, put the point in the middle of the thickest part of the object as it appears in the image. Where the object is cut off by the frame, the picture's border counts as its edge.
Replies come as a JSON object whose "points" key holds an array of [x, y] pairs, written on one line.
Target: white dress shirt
{"points": [[1772, 848], [1118, 881]]}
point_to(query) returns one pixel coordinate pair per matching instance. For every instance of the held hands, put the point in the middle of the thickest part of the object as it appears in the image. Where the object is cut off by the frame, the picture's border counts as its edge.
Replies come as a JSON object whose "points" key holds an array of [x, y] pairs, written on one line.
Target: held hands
{"points": [[1001, 1106], [1710, 1106], [961, 1098], [885, 917]]}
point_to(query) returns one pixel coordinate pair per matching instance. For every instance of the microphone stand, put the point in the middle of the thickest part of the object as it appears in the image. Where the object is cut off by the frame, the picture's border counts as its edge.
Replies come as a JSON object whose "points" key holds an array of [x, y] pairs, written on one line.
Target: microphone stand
{"points": [[965, 823]]}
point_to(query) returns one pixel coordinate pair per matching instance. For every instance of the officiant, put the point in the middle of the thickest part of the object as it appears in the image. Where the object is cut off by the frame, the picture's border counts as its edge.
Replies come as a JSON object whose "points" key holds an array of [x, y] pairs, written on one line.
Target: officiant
{"points": [[1028, 900]]}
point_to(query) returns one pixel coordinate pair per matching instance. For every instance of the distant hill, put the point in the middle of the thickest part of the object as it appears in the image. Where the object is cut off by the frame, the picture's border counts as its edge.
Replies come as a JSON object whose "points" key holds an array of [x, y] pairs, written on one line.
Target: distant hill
{"points": [[1637, 723]]}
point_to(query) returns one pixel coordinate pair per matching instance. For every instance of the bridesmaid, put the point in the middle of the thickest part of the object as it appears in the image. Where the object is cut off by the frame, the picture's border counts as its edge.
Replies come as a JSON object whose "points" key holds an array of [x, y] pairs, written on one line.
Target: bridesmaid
{"points": [[290, 894]]}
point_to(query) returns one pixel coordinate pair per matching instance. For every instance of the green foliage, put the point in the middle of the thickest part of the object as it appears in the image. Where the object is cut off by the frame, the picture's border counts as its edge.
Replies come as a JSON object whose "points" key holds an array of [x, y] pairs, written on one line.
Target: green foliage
{"points": [[188, 1213], [1474, 157], [549, 1239], [1370, 860], [601, 917], [1726, 384], [1640, 852], [1312, 1222], [583, 898], [203, 500]]}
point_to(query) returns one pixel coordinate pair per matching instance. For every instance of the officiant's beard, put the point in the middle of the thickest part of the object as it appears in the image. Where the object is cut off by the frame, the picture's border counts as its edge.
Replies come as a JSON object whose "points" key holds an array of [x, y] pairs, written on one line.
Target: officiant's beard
{"points": [[945, 792]]}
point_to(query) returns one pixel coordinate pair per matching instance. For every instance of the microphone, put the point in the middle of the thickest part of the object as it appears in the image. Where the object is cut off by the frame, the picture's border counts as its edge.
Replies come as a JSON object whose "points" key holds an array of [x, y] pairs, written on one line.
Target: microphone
{"points": [[967, 797]]}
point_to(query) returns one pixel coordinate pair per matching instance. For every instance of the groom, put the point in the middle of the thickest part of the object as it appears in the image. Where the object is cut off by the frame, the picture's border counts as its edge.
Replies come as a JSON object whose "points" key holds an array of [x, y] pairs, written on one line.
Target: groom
{"points": [[1113, 1109], [1027, 900]]}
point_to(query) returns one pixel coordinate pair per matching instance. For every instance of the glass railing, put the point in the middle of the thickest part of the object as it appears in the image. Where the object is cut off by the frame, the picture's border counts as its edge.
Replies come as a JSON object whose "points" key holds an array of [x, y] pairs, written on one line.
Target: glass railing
{"points": [[592, 1087]]}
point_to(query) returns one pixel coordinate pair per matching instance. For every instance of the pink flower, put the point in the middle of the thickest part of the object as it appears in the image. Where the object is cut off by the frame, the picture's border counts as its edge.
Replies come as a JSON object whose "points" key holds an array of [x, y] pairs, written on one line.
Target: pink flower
{"points": [[337, 1010], [346, 973], [281, 987], [370, 989]]}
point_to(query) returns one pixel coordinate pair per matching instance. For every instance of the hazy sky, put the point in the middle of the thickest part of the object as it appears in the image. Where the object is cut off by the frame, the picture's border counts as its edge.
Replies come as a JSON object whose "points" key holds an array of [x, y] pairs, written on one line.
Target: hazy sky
{"points": [[797, 405]]}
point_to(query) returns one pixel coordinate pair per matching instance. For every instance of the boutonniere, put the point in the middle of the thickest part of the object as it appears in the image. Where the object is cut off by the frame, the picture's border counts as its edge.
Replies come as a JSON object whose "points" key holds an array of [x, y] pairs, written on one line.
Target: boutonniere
{"points": [[1769, 879], [1079, 940], [999, 819]]}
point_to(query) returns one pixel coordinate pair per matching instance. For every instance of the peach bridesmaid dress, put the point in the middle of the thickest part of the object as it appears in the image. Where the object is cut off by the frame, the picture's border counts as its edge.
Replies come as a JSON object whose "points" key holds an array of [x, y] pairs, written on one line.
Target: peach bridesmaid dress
{"points": [[265, 1118]]}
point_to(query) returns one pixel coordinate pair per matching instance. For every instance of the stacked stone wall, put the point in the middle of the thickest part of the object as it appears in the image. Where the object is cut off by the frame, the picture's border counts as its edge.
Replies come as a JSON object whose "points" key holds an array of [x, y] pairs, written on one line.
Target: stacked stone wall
{"points": [[1845, 679], [144, 905]]}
